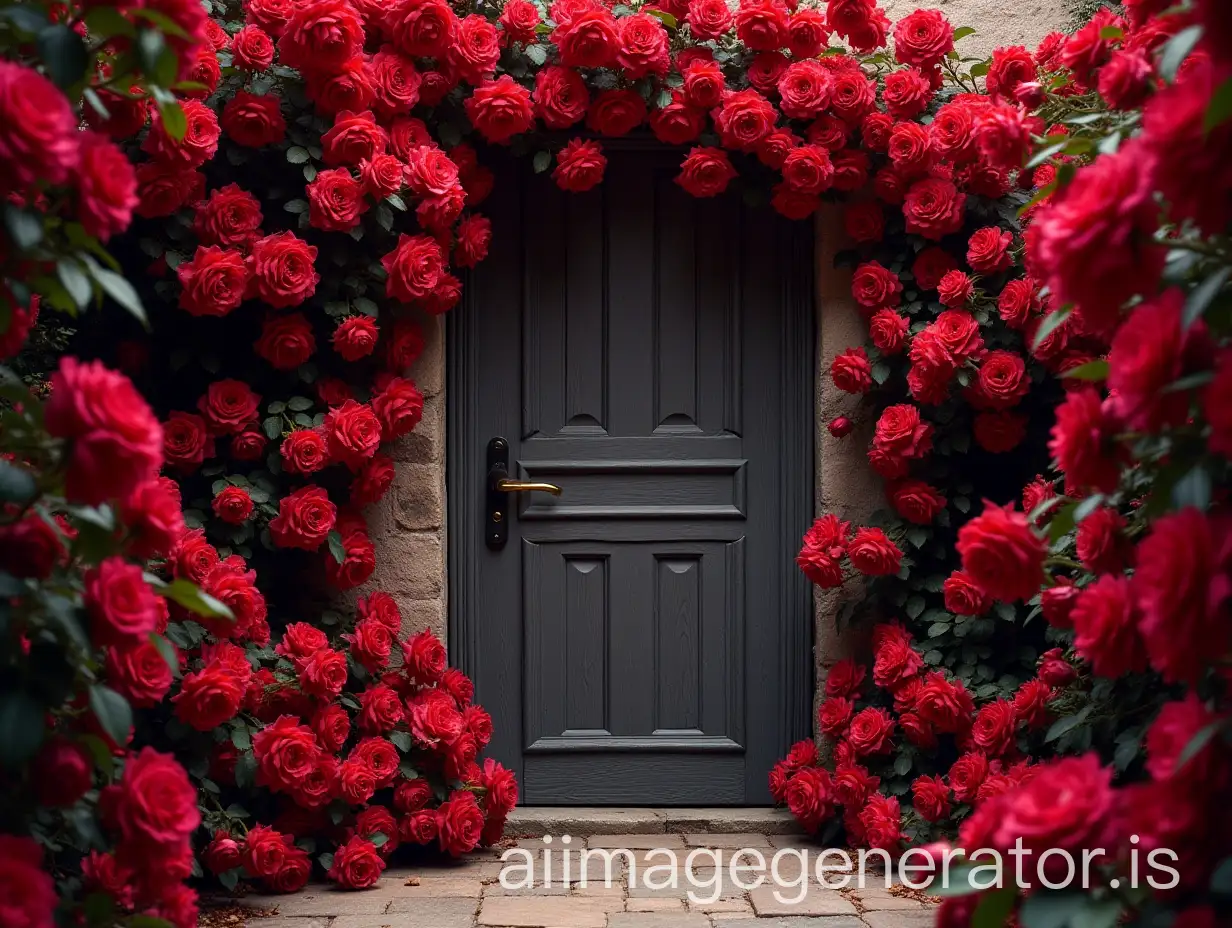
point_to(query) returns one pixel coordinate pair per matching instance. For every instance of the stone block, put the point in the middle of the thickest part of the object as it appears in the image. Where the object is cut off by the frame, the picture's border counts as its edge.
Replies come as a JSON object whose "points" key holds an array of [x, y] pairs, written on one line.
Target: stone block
{"points": [[412, 564], [732, 821], [816, 901], [532, 822], [879, 899], [730, 841], [837, 921], [319, 901], [637, 842], [548, 911], [921, 918], [658, 920], [417, 497], [428, 371], [426, 913], [426, 444]]}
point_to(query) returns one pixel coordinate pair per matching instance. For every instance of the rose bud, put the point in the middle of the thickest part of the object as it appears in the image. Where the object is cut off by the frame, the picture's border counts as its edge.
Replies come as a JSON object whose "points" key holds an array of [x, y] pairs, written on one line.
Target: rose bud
{"points": [[841, 426], [223, 853], [1030, 94]]}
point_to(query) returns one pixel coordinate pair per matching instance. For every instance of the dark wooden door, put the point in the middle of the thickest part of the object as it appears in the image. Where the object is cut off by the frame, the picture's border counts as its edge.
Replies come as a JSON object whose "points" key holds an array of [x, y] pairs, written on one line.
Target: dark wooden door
{"points": [[644, 639]]}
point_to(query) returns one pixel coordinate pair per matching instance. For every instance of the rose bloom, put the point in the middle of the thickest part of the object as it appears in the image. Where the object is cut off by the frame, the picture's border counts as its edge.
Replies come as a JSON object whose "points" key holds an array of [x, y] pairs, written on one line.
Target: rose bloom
{"points": [[834, 714], [579, 166], [923, 38], [459, 823], [1031, 703], [357, 865], [560, 97], [282, 269], [500, 109], [414, 268], [140, 673], [993, 731], [955, 289], [233, 505], [1002, 554], [1105, 628], [398, 408], [708, 19], [355, 337], [286, 341], [335, 201], [321, 34], [931, 265], [209, 697], [934, 208], [1101, 544], [304, 519], [254, 121], [870, 732], [1083, 442], [931, 798], [874, 286], [164, 188], [1066, 805], [851, 372], [988, 250], [231, 217], [915, 500], [820, 557], [706, 172], [896, 663]]}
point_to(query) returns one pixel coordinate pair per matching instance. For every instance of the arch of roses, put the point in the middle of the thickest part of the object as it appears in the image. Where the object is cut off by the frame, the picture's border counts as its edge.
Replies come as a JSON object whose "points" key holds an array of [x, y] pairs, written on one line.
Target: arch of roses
{"points": [[317, 193]]}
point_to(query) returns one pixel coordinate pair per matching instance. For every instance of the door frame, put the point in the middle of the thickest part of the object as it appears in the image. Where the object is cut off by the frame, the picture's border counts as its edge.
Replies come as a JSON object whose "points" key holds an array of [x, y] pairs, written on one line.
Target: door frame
{"points": [[464, 515]]}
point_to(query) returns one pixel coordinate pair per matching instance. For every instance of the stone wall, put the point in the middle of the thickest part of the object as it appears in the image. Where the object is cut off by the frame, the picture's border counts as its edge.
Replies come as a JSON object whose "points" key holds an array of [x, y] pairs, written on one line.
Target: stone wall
{"points": [[1022, 22]]}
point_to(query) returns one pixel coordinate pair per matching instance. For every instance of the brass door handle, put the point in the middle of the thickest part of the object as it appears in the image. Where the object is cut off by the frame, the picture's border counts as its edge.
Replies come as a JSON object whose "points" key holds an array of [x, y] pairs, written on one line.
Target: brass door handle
{"points": [[506, 485]]}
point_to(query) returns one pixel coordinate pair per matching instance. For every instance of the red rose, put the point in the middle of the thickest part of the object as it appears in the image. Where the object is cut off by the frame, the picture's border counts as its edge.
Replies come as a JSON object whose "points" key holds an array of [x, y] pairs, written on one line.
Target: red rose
{"points": [[955, 290], [126, 116], [678, 123], [154, 806], [304, 518], [579, 166], [1066, 805], [233, 505], [616, 112], [1082, 442], [923, 38], [854, 97], [209, 697], [851, 371], [930, 267], [1010, 67], [1094, 237], [228, 406], [371, 644], [1180, 588], [1177, 724], [706, 172], [193, 556], [560, 97], [808, 170], [223, 853], [761, 25], [744, 119], [286, 752], [850, 169], [381, 175], [152, 515], [988, 250], [962, 597], [252, 49], [357, 865], [1055, 670], [870, 731], [231, 217], [286, 341], [354, 138], [357, 564], [106, 187], [1101, 544], [352, 432], [889, 331], [61, 772], [254, 121], [1017, 303], [424, 657], [875, 286], [519, 19], [356, 781], [934, 208], [138, 673], [932, 366], [115, 443], [643, 46], [412, 795], [282, 268], [164, 188], [419, 827], [414, 268], [122, 607], [477, 49], [994, 727], [332, 726], [29, 893], [953, 132], [896, 663], [821, 554], [809, 796], [708, 19], [474, 233], [1057, 603], [235, 587], [40, 139], [931, 798], [915, 501], [500, 109], [304, 451], [900, 436], [422, 28], [321, 34], [910, 149], [404, 345], [864, 221], [704, 83], [214, 281], [459, 823], [590, 40], [348, 89], [1003, 381], [807, 33], [398, 408], [1002, 554], [966, 776], [431, 172], [765, 70], [355, 337], [335, 201], [834, 714], [1031, 703], [906, 93]]}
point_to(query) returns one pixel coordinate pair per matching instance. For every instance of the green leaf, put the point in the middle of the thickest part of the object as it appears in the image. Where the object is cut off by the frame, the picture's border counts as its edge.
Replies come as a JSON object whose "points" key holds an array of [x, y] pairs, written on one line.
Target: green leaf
{"points": [[881, 372], [25, 18], [336, 547], [1053, 321], [1050, 909], [297, 154], [113, 712], [1176, 50], [542, 161], [120, 290], [191, 597], [1097, 913], [299, 403], [272, 426], [1044, 154], [396, 202], [402, 741], [64, 53], [980, 69], [1069, 723], [17, 484], [25, 227], [296, 206], [1221, 879], [326, 861], [1219, 110], [21, 728], [1195, 745], [1087, 506], [962, 32], [902, 765], [157, 59], [75, 281], [666, 18], [995, 908], [1092, 370], [537, 53], [241, 739], [1201, 297], [1193, 489], [378, 839]]}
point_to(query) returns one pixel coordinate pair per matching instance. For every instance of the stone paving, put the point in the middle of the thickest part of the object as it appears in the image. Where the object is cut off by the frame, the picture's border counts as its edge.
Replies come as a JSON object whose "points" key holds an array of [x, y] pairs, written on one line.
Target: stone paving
{"points": [[468, 893]]}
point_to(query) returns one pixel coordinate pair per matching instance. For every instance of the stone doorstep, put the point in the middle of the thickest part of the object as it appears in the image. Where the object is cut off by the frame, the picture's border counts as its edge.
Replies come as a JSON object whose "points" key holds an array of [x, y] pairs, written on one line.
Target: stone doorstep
{"points": [[584, 822]]}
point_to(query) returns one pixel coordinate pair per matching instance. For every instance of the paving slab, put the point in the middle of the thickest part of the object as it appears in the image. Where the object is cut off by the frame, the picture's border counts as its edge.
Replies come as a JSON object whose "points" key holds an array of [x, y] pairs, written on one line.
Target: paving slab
{"points": [[531, 822], [308, 921], [428, 913], [636, 842], [759, 821], [921, 918], [321, 902], [734, 840], [880, 899], [656, 904], [838, 921], [658, 920], [734, 906], [452, 887], [816, 901], [548, 911]]}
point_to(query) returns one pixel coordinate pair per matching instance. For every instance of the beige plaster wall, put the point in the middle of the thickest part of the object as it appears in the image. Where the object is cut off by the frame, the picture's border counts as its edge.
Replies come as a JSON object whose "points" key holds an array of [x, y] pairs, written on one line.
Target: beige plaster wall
{"points": [[997, 22]]}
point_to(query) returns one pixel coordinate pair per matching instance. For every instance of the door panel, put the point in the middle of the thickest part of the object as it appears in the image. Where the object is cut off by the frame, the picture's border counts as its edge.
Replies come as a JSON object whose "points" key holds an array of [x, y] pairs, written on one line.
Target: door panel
{"points": [[644, 637]]}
